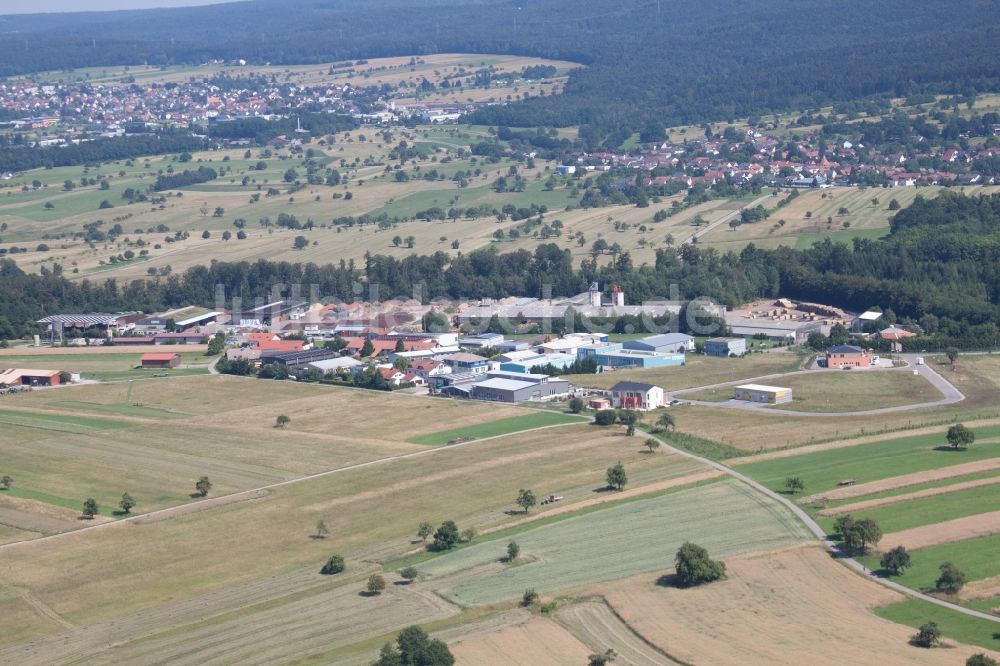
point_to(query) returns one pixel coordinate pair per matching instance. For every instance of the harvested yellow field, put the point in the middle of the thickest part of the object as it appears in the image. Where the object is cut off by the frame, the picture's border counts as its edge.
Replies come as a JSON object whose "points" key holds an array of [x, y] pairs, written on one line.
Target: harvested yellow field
{"points": [[905, 497], [959, 529], [987, 588], [595, 624], [538, 641], [774, 606]]}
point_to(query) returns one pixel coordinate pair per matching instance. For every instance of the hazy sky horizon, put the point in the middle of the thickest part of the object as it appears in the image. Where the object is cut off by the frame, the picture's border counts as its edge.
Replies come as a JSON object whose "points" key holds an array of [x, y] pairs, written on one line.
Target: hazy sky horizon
{"points": [[46, 6]]}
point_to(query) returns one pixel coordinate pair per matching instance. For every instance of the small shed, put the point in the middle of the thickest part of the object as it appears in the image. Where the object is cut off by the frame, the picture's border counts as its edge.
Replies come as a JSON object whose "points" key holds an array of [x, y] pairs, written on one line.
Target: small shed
{"points": [[160, 360]]}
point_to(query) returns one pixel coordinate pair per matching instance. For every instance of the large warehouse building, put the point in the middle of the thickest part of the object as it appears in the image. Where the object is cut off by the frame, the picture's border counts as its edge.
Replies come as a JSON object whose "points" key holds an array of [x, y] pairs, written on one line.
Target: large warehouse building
{"points": [[771, 395]]}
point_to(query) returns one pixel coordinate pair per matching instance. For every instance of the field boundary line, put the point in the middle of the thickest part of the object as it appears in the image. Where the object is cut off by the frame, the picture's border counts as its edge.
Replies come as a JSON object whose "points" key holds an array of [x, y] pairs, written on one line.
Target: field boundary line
{"points": [[824, 538], [255, 493]]}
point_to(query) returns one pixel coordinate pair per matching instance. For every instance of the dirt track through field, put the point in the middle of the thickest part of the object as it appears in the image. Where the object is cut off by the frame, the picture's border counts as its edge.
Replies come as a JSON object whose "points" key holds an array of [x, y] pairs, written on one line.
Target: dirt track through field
{"points": [[595, 624], [893, 482], [906, 497], [960, 529], [854, 441], [536, 641]]}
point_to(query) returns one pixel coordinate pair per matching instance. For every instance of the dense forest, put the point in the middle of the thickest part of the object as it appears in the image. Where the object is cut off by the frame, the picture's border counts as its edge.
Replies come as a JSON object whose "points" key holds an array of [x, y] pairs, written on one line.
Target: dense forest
{"points": [[649, 63], [938, 270]]}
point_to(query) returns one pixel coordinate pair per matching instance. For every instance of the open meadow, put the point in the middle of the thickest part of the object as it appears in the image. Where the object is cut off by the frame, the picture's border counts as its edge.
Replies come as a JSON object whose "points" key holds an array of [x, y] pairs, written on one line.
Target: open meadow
{"points": [[828, 391], [816, 215], [107, 364]]}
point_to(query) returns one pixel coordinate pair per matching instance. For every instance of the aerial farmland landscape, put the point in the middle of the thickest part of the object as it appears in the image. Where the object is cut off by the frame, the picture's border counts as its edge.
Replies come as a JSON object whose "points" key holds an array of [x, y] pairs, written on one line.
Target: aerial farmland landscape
{"points": [[491, 333]]}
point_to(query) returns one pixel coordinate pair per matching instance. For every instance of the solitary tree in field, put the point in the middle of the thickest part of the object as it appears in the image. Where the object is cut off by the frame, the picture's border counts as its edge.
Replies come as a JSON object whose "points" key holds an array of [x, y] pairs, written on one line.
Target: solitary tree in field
{"points": [[376, 584], [576, 404], [960, 437], [409, 574], [6, 482], [529, 597], [446, 536], [282, 421], [652, 444], [602, 658], [980, 660], [90, 508], [616, 476], [952, 355], [424, 531], [861, 534], [695, 567], [127, 503], [666, 421], [468, 534], [203, 485], [321, 530], [794, 484], [334, 565], [513, 550], [415, 647], [951, 579], [526, 499], [895, 561], [928, 636]]}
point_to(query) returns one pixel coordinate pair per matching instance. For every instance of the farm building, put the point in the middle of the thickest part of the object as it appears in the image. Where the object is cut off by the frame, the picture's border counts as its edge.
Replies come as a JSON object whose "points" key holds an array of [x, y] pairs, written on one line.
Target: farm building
{"points": [[895, 333], [847, 356], [295, 359], [108, 323], [726, 347], [178, 338], [24, 377], [666, 343], [635, 395], [154, 360], [772, 395]]}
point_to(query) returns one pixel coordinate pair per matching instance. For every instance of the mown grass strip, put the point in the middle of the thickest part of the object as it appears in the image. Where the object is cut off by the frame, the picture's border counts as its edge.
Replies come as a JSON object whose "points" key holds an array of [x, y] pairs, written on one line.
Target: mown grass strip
{"points": [[54, 421], [424, 556], [55, 500], [496, 428]]}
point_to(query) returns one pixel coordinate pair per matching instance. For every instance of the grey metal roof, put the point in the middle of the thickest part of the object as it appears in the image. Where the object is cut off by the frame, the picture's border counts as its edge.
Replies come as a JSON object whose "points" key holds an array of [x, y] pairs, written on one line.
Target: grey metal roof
{"points": [[631, 386]]}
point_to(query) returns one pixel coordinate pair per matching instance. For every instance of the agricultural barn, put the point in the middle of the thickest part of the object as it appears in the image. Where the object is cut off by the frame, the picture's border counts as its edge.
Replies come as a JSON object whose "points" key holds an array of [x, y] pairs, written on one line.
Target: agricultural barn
{"points": [[635, 395], [725, 347], [154, 360], [102, 320], [847, 356], [667, 343], [772, 395], [22, 377]]}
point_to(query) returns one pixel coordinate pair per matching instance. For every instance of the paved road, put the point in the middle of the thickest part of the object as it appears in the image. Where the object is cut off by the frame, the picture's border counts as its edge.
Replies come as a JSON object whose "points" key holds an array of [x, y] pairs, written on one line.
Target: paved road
{"points": [[823, 536], [949, 394], [724, 220]]}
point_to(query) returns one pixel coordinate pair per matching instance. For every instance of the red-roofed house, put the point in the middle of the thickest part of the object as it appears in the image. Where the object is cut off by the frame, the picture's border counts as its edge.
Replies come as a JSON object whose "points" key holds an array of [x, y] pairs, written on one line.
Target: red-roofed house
{"points": [[893, 333]]}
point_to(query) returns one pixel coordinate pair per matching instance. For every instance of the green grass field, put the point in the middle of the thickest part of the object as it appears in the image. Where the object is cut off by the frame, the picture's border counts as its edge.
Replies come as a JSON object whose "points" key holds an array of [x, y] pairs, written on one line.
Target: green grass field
{"points": [[929, 510], [915, 487], [108, 366], [496, 428], [856, 391], [954, 626], [822, 470], [725, 517], [977, 558], [58, 422]]}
